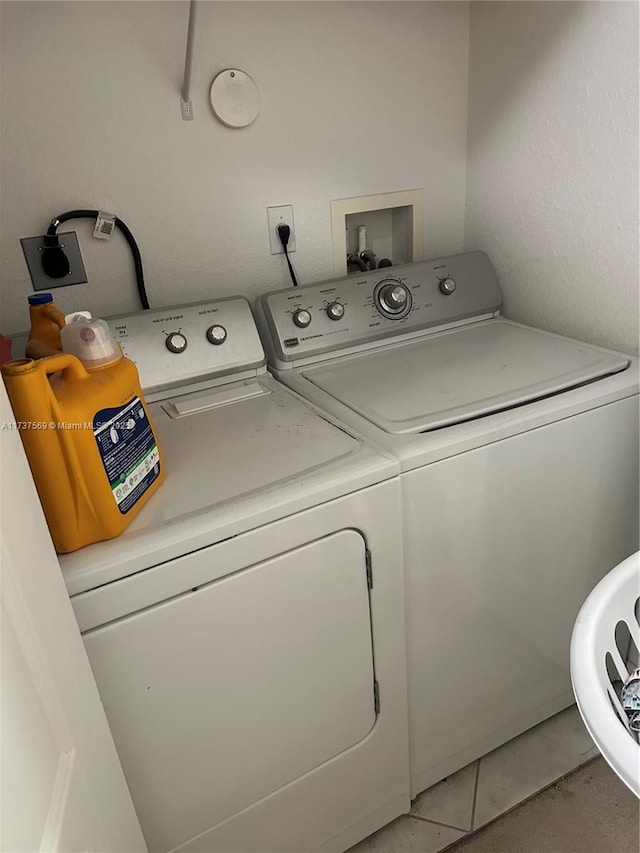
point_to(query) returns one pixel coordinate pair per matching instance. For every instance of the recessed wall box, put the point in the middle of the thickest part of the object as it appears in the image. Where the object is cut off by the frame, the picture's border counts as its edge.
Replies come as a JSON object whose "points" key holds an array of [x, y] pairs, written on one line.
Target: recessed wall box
{"points": [[394, 225]]}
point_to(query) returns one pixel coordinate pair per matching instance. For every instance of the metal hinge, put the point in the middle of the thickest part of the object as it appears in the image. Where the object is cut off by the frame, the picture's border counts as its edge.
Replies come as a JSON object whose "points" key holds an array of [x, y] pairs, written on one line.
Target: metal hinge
{"points": [[367, 560], [376, 696]]}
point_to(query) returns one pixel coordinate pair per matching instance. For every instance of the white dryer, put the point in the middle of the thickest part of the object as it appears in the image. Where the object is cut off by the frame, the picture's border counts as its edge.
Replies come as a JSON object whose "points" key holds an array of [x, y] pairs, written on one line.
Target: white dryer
{"points": [[519, 458], [247, 631]]}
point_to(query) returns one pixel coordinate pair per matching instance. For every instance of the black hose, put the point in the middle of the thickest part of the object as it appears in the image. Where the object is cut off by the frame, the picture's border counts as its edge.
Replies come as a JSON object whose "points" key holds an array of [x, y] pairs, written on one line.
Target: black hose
{"points": [[356, 261], [137, 260], [369, 258]]}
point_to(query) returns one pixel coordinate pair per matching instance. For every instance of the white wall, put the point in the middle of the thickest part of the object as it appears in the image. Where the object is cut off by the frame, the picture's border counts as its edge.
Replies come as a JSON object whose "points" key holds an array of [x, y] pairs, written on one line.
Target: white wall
{"points": [[357, 98], [552, 181]]}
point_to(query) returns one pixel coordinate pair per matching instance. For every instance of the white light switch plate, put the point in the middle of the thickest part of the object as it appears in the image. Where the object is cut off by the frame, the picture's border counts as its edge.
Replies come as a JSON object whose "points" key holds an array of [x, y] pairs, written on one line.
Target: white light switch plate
{"points": [[275, 215]]}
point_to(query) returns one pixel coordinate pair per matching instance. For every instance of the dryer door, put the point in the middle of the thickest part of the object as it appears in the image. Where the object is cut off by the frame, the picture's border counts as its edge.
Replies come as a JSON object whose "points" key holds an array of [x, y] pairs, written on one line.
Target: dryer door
{"points": [[221, 695]]}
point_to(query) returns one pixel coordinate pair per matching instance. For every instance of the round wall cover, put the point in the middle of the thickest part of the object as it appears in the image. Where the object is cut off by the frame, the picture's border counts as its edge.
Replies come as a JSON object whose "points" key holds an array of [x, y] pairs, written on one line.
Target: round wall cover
{"points": [[234, 97]]}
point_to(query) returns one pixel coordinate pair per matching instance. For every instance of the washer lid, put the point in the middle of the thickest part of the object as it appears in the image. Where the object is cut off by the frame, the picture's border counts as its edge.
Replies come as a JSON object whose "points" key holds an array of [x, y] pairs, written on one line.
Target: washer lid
{"points": [[459, 375]]}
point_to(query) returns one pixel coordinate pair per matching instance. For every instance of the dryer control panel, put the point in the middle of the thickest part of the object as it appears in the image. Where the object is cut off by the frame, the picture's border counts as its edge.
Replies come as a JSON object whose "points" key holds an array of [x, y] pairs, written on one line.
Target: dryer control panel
{"points": [[299, 323], [192, 343]]}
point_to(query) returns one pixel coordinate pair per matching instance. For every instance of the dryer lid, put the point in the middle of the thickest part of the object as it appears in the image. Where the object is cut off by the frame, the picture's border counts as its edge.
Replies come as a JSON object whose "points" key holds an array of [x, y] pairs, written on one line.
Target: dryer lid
{"points": [[232, 465], [462, 374]]}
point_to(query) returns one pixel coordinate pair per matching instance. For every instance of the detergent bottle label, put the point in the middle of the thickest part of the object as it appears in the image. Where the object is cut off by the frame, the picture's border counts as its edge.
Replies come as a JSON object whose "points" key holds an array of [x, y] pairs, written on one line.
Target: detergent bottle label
{"points": [[129, 451]]}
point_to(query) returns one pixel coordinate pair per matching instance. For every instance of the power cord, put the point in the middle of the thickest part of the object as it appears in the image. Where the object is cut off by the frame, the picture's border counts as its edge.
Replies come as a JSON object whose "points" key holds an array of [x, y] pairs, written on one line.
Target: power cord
{"points": [[284, 232], [56, 264]]}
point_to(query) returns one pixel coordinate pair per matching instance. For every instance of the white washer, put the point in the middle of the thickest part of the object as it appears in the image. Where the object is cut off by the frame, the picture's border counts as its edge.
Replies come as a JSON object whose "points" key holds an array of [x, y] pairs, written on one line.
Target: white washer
{"points": [[519, 453], [247, 631]]}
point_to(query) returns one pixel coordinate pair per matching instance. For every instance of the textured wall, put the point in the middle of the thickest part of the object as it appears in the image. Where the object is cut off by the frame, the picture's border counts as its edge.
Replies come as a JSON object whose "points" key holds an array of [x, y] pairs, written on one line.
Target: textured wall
{"points": [[552, 180], [357, 98]]}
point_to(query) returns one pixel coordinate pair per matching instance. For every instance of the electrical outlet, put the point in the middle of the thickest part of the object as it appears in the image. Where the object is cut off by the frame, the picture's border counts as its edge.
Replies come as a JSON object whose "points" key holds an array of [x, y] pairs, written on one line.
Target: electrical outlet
{"points": [[283, 213], [32, 248]]}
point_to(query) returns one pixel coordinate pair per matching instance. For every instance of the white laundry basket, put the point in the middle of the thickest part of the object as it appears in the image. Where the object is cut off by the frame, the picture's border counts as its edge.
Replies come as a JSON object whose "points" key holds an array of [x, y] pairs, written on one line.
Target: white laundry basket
{"points": [[601, 656]]}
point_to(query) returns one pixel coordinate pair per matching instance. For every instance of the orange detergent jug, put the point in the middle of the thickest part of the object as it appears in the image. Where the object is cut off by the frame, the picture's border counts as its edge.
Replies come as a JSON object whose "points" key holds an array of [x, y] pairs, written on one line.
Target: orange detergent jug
{"points": [[46, 322], [87, 433]]}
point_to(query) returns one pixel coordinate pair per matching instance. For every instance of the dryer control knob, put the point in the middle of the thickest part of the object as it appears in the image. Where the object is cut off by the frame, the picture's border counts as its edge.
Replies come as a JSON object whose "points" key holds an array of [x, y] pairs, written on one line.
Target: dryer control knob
{"points": [[216, 335], [176, 342], [447, 286], [335, 311], [302, 318]]}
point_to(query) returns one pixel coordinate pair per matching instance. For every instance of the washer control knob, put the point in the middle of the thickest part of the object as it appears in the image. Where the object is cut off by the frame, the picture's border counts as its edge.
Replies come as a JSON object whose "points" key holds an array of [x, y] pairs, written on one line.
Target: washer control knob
{"points": [[302, 318], [335, 311], [176, 342], [447, 286], [394, 296], [216, 335]]}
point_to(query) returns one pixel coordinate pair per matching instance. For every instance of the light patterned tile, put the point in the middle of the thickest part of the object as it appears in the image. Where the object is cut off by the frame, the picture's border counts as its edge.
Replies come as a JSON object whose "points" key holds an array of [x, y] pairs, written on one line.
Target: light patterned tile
{"points": [[530, 762], [450, 801], [590, 811], [409, 835]]}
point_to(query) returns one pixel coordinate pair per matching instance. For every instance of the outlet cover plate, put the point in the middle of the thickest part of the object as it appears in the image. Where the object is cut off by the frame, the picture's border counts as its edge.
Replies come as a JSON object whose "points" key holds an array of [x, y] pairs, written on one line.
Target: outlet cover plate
{"points": [[275, 215], [32, 248]]}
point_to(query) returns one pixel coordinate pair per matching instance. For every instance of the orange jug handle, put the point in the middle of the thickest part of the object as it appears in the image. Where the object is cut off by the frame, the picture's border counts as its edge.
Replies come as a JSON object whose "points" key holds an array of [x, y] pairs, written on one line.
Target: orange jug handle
{"points": [[70, 365]]}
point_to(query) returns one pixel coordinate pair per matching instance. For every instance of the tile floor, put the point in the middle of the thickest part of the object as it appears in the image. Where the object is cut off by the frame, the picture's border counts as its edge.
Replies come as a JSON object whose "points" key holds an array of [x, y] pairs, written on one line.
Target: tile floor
{"points": [[486, 789], [589, 811]]}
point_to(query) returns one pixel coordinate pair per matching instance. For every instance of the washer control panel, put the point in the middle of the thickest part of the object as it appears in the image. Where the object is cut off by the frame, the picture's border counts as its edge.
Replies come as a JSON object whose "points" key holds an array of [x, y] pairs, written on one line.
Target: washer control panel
{"points": [[190, 343], [362, 308]]}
